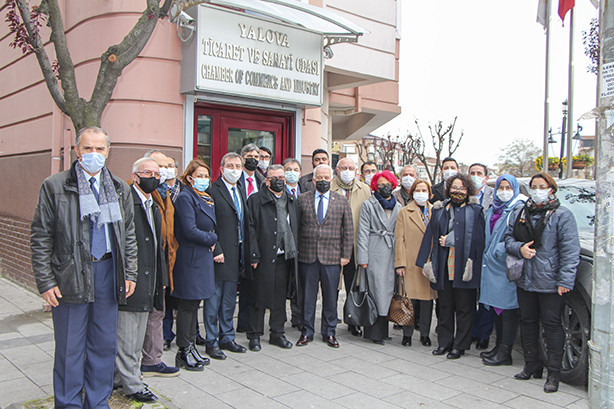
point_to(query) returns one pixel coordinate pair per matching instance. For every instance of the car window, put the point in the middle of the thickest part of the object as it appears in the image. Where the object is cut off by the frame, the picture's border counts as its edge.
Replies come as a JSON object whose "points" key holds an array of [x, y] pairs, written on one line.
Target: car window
{"points": [[581, 202]]}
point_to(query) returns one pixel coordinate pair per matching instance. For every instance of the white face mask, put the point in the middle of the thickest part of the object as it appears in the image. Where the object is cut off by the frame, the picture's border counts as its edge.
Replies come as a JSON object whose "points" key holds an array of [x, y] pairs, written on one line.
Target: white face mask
{"points": [[232, 175], [448, 173], [263, 164], [347, 176], [420, 198], [163, 175], [368, 179], [170, 173], [505, 195], [291, 176], [407, 181], [539, 195], [477, 181]]}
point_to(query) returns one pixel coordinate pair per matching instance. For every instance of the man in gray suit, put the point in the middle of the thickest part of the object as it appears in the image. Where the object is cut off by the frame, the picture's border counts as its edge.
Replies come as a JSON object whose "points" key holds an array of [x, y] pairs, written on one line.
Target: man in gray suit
{"points": [[479, 176]]}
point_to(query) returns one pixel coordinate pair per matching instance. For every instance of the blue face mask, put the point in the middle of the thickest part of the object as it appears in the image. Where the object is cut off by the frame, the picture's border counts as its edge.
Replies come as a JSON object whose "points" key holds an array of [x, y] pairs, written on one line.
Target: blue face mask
{"points": [[291, 176], [201, 184], [92, 162]]}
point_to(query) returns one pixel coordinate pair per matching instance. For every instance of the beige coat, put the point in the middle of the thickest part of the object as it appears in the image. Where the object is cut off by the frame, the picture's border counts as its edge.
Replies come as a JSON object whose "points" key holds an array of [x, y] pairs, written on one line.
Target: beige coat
{"points": [[408, 234]]}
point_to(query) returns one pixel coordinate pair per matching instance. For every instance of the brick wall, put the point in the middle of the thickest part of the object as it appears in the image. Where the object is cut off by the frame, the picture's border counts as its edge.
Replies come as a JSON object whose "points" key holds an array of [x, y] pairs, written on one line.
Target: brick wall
{"points": [[15, 263]]}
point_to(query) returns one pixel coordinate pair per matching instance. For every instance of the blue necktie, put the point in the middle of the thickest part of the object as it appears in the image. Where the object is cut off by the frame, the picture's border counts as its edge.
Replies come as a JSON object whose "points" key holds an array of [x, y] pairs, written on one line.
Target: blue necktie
{"points": [[97, 236], [320, 212], [235, 198]]}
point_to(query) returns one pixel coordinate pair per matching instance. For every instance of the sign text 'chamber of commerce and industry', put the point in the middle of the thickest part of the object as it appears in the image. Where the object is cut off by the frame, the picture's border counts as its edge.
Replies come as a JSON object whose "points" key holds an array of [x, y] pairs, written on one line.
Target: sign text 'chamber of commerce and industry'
{"points": [[243, 55]]}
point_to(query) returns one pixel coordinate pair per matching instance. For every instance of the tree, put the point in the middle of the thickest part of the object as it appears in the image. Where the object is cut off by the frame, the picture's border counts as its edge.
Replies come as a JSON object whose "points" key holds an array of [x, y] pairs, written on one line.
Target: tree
{"points": [[590, 39], [518, 158], [24, 23], [442, 137]]}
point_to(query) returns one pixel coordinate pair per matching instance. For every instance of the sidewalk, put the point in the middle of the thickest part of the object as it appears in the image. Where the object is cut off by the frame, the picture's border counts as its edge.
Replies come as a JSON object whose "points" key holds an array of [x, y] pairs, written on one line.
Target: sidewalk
{"points": [[357, 375]]}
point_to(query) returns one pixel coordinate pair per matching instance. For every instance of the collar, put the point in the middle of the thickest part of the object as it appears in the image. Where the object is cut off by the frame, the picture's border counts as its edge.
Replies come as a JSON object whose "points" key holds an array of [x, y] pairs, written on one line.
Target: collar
{"points": [[141, 195], [88, 176], [228, 185], [326, 195]]}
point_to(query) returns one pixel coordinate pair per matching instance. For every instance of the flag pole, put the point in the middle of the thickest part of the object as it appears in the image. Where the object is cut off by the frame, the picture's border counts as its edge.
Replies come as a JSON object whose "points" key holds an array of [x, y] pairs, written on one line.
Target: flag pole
{"points": [[570, 89], [546, 92]]}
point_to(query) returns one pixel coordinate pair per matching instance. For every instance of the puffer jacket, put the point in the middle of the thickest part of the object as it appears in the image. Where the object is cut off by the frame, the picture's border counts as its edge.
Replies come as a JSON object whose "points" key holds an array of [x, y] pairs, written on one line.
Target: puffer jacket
{"points": [[60, 240], [556, 260]]}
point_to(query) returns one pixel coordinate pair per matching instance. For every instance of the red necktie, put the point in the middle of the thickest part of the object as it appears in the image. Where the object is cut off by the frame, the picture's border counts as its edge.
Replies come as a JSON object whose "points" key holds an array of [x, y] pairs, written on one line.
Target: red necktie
{"points": [[250, 186], [293, 190]]}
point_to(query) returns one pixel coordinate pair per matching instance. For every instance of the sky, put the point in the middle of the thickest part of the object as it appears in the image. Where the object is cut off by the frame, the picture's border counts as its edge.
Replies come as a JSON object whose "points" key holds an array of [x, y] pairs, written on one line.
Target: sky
{"points": [[484, 61]]}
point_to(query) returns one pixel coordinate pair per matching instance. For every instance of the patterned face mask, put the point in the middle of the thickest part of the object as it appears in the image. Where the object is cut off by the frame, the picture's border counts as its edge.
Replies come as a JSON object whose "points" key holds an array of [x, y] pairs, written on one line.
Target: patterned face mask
{"points": [[458, 197]]}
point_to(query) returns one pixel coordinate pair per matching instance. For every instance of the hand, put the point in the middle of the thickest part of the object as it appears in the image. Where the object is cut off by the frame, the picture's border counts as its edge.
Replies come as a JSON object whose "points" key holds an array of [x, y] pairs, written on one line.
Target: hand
{"points": [[212, 248], [254, 265], [442, 240], [219, 258], [344, 261], [52, 295], [401, 271], [563, 290], [527, 252], [130, 286], [364, 265]]}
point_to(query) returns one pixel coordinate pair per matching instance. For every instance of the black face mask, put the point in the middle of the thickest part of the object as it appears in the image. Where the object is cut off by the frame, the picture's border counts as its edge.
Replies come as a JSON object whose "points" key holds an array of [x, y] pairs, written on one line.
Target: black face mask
{"points": [[385, 191], [148, 185], [277, 185], [251, 164], [322, 186]]}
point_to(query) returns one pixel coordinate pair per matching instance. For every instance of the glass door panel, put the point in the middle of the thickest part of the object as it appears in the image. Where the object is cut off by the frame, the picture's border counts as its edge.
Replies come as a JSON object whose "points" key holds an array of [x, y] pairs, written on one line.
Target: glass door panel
{"points": [[203, 138], [239, 137]]}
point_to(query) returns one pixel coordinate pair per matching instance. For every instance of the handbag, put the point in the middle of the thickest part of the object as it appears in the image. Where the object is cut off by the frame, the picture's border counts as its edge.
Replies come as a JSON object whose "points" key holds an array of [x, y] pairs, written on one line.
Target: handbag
{"points": [[401, 309], [513, 267], [359, 308]]}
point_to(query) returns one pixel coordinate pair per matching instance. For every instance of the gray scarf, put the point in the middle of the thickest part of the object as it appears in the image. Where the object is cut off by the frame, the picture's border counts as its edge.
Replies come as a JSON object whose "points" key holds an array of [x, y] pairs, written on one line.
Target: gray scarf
{"points": [[106, 209], [285, 240]]}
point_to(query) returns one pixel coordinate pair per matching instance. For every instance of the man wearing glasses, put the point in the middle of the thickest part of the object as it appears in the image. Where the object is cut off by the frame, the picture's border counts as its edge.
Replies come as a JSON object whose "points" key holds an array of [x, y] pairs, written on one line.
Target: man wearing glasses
{"points": [[273, 232]]}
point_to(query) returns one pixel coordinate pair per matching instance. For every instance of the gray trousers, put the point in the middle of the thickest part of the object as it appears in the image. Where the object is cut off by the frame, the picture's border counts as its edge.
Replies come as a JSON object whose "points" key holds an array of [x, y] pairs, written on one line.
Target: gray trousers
{"points": [[131, 328], [152, 346]]}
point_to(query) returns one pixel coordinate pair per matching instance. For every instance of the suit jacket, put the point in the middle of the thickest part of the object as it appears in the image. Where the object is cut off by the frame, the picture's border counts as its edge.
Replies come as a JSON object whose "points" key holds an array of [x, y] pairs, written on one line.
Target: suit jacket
{"points": [[236, 255], [305, 183], [487, 197], [330, 241], [439, 193], [259, 181]]}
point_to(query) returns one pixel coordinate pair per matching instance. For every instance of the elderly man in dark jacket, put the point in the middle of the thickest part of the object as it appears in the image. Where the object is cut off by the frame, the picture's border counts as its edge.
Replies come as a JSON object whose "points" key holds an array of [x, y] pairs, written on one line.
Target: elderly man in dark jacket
{"points": [[273, 233], [152, 278], [84, 258]]}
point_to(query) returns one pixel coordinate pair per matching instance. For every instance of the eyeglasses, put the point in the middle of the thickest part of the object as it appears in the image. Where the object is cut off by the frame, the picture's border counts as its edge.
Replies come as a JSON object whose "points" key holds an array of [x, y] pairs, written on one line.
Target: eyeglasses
{"points": [[369, 171], [149, 173], [342, 168]]}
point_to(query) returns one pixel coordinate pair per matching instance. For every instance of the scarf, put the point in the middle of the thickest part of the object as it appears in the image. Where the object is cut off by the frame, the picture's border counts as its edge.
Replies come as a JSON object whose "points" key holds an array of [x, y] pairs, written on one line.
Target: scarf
{"points": [[163, 190], [285, 239], [203, 195], [524, 230], [387, 204], [405, 195], [106, 209], [344, 186]]}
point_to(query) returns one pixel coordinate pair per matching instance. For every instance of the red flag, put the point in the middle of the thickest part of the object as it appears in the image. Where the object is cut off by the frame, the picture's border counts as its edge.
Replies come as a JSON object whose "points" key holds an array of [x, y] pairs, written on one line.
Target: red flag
{"points": [[564, 7]]}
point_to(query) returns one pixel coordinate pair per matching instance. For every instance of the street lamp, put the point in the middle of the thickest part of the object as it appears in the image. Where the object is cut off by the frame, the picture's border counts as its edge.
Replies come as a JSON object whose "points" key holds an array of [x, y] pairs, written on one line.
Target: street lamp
{"points": [[563, 130]]}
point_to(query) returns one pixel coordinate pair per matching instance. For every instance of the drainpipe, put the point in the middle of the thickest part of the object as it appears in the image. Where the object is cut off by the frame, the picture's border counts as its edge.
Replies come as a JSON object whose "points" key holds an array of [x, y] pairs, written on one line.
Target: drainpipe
{"points": [[601, 345]]}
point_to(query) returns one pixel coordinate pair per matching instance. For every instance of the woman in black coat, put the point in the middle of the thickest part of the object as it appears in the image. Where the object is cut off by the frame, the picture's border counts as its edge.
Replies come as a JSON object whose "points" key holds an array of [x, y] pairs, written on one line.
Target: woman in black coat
{"points": [[193, 272], [454, 238]]}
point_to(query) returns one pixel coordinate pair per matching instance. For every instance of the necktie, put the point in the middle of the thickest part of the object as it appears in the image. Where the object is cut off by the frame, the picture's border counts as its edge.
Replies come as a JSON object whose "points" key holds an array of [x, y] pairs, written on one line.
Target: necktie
{"points": [[320, 212], [347, 194], [235, 198], [250, 186], [98, 240], [293, 190], [149, 214]]}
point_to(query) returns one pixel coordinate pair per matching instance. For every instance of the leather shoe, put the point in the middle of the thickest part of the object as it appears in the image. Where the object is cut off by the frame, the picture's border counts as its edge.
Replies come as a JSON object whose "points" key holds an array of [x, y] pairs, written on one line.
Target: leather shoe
{"points": [[441, 350], [254, 344], [455, 354], [426, 341], [280, 341], [378, 341], [331, 341], [215, 353], [232, 346], [144, 395], [202, 359], [167, 345], [406, 342], [303, 340], [354, 330], [481, 344], [199, 340]]}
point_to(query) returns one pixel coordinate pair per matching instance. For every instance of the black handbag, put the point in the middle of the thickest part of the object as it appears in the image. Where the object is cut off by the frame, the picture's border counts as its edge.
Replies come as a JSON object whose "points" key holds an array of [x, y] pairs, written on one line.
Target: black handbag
{"points": [[359, 308]]}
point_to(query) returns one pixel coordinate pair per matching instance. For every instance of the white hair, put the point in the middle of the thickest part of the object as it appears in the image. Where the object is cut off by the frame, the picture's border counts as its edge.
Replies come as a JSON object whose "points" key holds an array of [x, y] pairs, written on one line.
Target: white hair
{"points": [[323, 166], [137, 165]]}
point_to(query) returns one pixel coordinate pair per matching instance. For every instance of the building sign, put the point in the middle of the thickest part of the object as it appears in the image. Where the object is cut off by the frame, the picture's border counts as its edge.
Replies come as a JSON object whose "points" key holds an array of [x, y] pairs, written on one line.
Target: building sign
{"points": [[607, 80], [244, 55]]}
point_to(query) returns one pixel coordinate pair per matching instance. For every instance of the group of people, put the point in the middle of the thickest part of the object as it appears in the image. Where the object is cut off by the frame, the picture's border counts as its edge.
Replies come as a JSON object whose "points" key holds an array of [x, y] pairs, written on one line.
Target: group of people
{"points": [[113, 255]]}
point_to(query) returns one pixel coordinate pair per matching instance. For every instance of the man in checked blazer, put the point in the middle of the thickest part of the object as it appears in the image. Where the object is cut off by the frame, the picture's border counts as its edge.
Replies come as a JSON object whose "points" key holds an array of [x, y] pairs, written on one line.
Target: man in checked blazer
{"points": [[326, 240]]}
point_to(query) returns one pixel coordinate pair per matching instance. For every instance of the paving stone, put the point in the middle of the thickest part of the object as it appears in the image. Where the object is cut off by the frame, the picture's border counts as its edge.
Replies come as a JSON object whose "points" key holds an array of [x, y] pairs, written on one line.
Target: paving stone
{"points": [[524, 402], [248, 399], [365, 383], [363, 400], [9, 371], [421, 386], [534, 388], [306, 399], [264, 384], [324, 387], [477, 389], [19, 390], [409, 399], [470, 401]]}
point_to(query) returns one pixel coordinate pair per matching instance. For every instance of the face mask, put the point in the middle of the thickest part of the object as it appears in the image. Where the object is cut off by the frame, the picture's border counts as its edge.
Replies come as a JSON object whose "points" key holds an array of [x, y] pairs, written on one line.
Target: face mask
{"points": [[539, 195], [201, 184], [347, 176], [170, 173], [291, 176], [277, 185], [505, 195], [263, 164], [149, 184], [368, 179], [407, 181], [322, 186], [163, 175], [420, 198], [232, 175], [448, 173], [92, 162], [385, 191], [477, 181], [458, 198], [251, 164]]}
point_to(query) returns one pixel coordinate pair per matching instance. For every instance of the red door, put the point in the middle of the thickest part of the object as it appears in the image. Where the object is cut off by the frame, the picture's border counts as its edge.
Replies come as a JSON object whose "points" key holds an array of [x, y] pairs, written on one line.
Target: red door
{"points": [[219, 130]]}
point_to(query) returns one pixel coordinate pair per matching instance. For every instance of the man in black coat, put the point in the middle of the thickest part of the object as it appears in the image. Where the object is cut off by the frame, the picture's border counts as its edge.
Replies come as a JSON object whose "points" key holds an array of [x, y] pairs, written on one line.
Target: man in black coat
{"points": [[152, 277], [318, 157], [273, 233], [449, 168], [230, 257]]}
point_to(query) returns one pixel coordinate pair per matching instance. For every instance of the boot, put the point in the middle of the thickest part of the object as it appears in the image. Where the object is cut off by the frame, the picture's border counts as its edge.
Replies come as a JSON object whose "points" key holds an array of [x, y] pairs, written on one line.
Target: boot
{"points": [[502, 357], [491, 353], [197, 356], [185, 359], [532, 365], [552, 382]]}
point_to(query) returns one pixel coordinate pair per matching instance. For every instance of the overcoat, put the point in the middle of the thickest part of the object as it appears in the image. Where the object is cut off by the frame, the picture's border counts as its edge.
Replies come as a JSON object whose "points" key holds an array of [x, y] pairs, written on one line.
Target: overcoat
{"points": [[375, 247], [468, 243], [409, 231], [195, 231], [263, 244], [236, 255]]}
